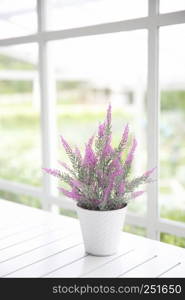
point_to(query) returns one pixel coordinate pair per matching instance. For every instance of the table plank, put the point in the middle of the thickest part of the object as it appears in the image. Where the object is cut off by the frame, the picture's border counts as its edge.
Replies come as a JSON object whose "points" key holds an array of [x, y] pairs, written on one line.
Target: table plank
{"points": [[117, 266], [16, 229], [89, 263], [41, 241], [146, 254], [152, 268], [84, 266], [25, 236], [177, 272], [45, 266], [38, 255]]}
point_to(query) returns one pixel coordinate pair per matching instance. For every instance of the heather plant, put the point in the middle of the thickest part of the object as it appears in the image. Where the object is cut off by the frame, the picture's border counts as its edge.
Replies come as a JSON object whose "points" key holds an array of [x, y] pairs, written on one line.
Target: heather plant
{"points": [[101, 178]]}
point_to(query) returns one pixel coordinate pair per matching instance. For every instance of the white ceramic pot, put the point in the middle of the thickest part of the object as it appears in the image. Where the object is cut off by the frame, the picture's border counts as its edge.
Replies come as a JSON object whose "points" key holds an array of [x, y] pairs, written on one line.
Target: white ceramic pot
{"points": [[101, 230]]}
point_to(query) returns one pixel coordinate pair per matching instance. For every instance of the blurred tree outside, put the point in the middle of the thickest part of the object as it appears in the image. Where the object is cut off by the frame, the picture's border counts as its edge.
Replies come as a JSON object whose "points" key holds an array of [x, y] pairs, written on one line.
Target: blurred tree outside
{"points": [[11, 63]]}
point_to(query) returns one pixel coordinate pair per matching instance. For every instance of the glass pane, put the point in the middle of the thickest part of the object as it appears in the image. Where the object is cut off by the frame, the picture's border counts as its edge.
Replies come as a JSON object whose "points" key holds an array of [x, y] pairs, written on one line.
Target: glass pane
{"points": [[135, 230], [102, 69], [19, 119], [17, 18], [172, 131], [171, 5], [22, 199], [172, 239], [74, 13], [68, 213]]}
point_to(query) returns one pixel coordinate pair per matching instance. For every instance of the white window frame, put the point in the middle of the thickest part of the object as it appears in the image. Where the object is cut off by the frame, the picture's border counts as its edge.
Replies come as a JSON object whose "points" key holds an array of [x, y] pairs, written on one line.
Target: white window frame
{"points": [[152, 221]]}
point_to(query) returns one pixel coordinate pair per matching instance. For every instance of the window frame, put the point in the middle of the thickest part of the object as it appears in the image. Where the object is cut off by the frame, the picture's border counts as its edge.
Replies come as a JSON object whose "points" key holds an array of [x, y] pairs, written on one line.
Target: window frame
{"points": [[47, 193]]}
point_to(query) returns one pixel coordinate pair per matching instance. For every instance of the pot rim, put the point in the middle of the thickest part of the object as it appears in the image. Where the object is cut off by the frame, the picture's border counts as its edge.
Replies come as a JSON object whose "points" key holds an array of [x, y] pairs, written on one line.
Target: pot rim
{"points": [[101, 211]]}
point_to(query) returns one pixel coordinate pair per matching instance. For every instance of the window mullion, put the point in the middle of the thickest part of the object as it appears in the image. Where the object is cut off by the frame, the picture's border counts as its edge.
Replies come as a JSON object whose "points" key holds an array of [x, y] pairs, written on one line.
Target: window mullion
{"points": [[153, 121], [48, 114]]}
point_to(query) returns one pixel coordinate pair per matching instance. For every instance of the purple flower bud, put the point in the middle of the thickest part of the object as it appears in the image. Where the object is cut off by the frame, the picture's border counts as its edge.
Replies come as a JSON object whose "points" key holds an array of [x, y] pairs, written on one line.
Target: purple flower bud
{"points": [[121, 188], [125, 135], [109, 111], [116, 164], [107, 191], [73, 194], [131, 153], [76, 183], [109, 188], [137, 194], [90, 157], [149, 172], [101, 130], [65, 145], [107, 150], [53, 172], [78, 153]]}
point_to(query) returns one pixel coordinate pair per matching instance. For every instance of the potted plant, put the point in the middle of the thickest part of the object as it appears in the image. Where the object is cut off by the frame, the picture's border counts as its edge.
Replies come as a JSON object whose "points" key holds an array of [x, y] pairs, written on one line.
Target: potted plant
{"points": [[101, 185]]}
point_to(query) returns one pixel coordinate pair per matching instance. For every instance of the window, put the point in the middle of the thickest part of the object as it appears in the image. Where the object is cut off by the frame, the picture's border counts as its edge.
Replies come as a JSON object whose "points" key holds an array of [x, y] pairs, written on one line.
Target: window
{"points": [[77, 13], [61, 62], [172, 132]]}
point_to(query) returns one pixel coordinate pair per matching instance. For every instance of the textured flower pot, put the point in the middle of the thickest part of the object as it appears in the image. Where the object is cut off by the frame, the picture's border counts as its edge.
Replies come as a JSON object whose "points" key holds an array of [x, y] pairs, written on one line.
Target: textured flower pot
{"points": [[101, 230]]}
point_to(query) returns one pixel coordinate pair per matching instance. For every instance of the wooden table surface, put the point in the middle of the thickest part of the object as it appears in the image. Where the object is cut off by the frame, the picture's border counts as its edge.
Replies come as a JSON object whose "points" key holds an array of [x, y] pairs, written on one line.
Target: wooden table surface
{"points": [[34, 243]]}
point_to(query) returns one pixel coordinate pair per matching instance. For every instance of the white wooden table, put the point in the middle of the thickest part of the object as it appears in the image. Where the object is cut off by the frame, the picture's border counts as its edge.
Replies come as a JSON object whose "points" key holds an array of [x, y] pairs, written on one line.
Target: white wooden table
{"points": [[34, 243]]}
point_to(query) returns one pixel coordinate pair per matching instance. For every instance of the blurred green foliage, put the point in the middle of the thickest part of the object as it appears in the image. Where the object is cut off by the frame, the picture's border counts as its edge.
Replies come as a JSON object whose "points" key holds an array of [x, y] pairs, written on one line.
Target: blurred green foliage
{"points": [[175, 215], [70, 85], [68, 213], [22, 199], [12, 63], [172, 239], [16, 86], [172, 214], [135, 230]]}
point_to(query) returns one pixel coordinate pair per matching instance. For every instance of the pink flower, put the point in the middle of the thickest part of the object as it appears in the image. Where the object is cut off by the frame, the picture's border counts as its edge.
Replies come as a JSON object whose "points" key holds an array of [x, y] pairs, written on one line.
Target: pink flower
{"points": [[121, 188], [66, 145], [90, 142], [137, 194], [149, 172], [125, 133], [109, 188], [107, 150], [131, 153], [124, 138], [76, 183], [109, 112], [101, 130], [98, 176], [73, 194], [116, 164], [53, 172], [90, 157], [78, 153]]}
